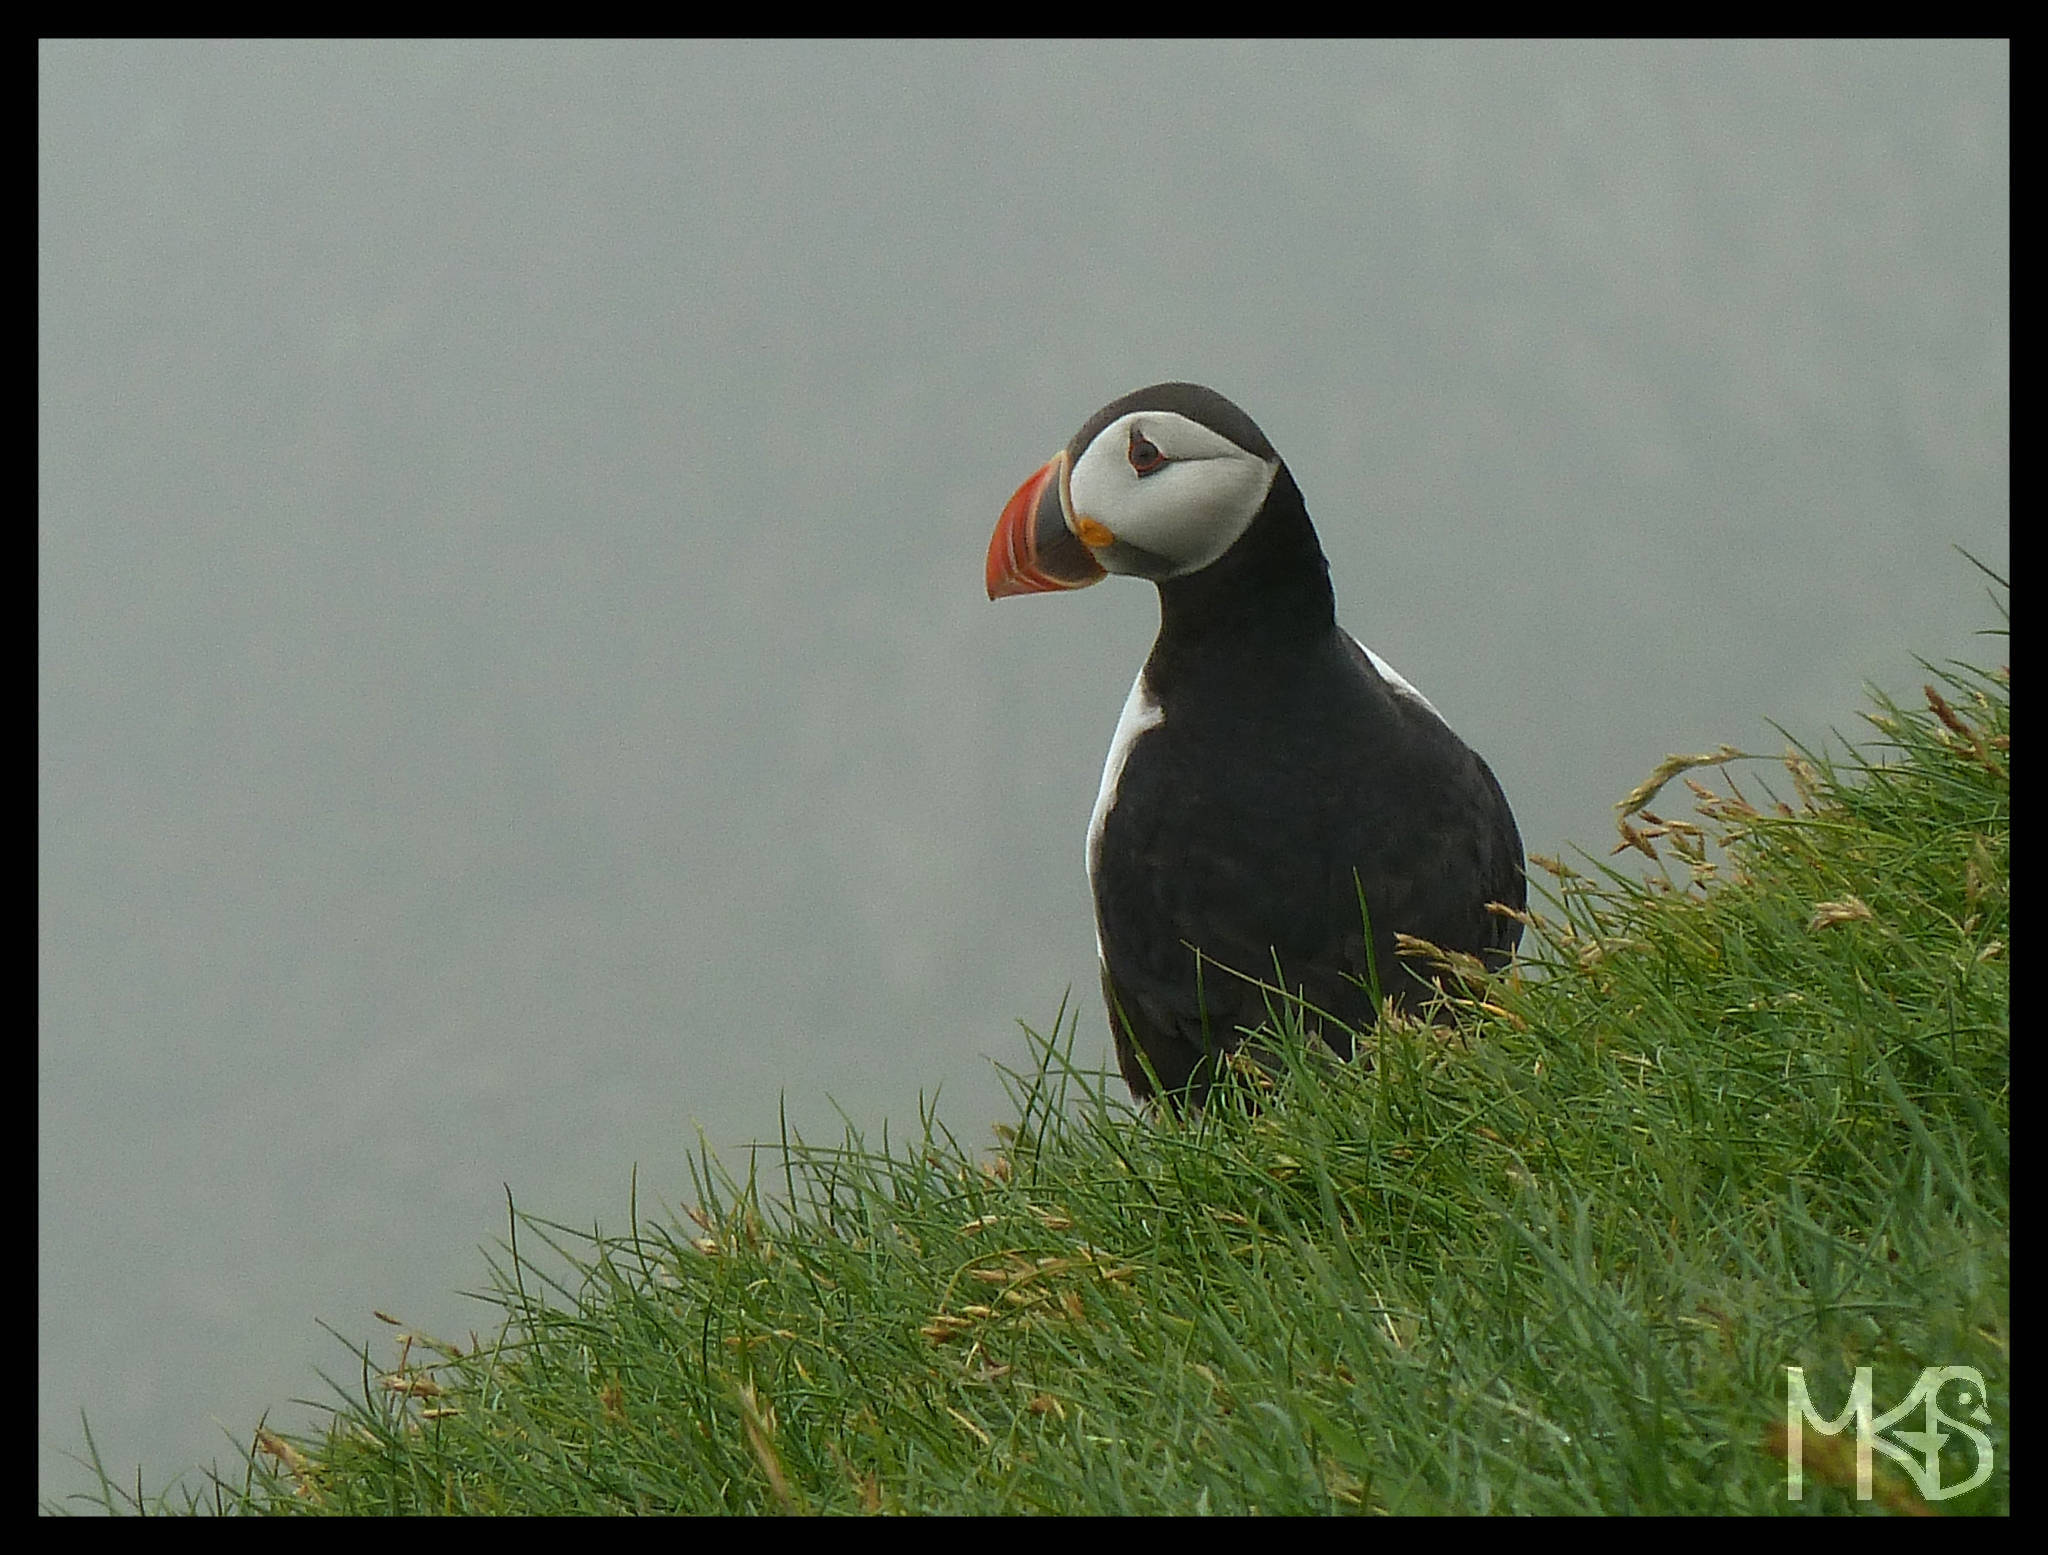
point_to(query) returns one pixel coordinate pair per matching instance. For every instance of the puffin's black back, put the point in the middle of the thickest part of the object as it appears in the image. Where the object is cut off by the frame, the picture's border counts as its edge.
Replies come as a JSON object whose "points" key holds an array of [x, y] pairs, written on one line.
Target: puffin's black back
{"points": [[1284, 776]]}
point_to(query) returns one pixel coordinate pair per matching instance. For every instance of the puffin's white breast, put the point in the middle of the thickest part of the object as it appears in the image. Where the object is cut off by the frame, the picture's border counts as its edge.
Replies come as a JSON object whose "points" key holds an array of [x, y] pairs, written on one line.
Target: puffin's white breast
{"points": [[1140, 713]]}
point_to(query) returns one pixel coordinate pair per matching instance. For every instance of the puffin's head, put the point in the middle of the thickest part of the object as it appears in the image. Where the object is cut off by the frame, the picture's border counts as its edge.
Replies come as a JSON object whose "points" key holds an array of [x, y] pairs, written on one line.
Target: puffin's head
{"points": [[1157, 484]]}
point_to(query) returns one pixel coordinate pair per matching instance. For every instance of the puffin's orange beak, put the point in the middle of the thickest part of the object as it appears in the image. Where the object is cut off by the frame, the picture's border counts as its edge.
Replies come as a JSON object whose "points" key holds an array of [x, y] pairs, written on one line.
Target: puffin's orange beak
{"points": [[1034, 549]]}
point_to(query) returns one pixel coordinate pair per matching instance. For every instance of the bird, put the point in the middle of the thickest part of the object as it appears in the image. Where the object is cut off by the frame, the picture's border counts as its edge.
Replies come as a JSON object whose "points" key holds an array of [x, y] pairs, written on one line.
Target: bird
{"points": [[1273, 786]]}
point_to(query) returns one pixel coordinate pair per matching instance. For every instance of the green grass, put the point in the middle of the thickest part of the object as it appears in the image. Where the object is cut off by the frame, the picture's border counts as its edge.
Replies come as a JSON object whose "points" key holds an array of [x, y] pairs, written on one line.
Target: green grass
{"points": [[1750, 1113]]}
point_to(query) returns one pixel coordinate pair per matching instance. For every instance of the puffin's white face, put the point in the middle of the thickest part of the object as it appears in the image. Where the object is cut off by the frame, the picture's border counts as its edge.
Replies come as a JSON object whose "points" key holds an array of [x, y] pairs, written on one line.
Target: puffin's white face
{"points": [[1158, 495]]}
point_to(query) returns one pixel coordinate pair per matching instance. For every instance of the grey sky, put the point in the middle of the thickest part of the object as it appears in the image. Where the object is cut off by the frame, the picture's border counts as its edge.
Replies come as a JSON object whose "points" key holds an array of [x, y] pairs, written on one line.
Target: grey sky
{"points": [[514, 681]]}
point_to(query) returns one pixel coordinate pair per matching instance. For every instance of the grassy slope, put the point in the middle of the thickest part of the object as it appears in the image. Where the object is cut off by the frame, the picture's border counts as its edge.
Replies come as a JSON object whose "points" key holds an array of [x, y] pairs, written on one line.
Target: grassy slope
{"points": [[1554, 1262]]}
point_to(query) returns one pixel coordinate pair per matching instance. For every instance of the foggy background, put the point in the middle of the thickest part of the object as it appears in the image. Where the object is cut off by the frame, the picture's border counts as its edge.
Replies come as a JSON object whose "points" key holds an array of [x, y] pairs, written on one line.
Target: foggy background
{"points": [[514, 682]]}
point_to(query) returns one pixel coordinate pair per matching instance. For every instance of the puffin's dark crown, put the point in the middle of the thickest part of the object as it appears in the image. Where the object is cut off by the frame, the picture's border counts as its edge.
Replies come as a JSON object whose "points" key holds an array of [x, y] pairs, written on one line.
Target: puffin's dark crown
{"points": [[1186, 399]]}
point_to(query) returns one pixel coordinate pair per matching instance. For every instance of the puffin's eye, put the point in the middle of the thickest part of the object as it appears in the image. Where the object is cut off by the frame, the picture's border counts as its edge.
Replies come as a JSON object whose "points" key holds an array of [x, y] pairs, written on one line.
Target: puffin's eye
{"points": [[1145, 455]]}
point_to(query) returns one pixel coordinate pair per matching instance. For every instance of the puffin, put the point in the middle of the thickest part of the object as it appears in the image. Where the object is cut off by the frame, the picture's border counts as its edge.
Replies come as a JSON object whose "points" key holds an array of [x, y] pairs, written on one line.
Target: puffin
{"points": [[1278, 803]]}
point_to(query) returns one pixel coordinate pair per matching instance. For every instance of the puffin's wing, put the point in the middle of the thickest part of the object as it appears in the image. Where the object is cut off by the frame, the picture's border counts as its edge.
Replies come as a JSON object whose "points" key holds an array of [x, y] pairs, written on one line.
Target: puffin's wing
{"points": [[1459, 849], [1183, 884]]}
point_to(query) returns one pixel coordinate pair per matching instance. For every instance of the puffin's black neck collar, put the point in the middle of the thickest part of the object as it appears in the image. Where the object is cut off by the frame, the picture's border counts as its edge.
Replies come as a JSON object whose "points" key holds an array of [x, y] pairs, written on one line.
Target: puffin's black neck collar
{"points": [[1272, 585]]}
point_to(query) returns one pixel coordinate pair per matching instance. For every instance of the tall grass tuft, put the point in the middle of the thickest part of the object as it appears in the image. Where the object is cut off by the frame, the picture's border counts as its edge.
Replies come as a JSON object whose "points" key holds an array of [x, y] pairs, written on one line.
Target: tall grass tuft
{"points": [[1748, 1112]]}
